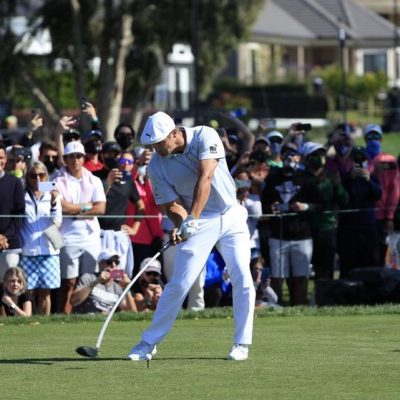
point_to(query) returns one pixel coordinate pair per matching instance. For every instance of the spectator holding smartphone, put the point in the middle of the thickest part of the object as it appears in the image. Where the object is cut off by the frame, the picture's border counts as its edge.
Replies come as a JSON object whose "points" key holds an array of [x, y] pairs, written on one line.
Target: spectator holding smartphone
{"points": [[40, 259], [150, 286], [98, 292]]}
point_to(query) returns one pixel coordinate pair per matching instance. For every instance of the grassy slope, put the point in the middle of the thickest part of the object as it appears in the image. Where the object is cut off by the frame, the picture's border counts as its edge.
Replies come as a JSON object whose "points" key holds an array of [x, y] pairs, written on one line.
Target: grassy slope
{"points": [[342, 353]]}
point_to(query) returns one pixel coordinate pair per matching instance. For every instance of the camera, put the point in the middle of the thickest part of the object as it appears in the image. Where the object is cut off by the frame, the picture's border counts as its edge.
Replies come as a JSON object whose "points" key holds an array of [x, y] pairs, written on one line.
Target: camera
{"points": [[302, 127], [117, 274], [23, 152], [259, 156], [265, 274], [281, 207]]}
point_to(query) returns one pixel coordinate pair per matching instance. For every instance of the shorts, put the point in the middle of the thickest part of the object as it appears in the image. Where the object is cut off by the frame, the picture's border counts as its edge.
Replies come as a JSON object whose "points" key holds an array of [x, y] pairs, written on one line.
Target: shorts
{"points": [[42, 272], [75, 261], [290, 258]]}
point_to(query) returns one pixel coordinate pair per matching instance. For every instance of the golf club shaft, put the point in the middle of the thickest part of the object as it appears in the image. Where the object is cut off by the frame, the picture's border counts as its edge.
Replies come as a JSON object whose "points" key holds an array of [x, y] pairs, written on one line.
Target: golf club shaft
{"points": [[126, 290]]}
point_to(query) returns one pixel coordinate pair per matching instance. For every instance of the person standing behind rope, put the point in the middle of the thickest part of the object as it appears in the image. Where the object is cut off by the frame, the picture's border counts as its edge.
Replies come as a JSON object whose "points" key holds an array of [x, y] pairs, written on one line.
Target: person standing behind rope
{"points": [[192, 183]]}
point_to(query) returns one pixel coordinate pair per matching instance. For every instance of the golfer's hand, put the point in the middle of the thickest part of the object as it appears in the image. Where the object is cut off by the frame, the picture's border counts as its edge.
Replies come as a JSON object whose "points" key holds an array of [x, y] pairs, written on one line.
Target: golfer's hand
{"points": [[189, 227], [174, 237]]}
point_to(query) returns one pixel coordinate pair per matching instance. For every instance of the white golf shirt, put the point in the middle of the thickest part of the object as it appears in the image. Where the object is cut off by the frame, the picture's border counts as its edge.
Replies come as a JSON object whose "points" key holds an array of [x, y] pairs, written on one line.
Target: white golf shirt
{"points": [[175, 176]]}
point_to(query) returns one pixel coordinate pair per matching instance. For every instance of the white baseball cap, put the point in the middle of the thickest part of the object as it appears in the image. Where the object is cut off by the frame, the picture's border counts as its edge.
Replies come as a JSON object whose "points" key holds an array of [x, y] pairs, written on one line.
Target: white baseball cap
{"points": [[311, 147], [106, 254], [158, 127], [74, 147], [155, 265], [273, 134]]}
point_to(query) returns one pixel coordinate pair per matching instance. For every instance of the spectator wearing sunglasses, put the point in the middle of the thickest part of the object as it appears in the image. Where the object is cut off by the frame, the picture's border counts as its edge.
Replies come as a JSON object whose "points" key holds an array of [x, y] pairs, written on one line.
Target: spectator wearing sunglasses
{"points": [[82, 198], [98, 292], [40, 258], [384, 166], [150, 286], [120, 190]]}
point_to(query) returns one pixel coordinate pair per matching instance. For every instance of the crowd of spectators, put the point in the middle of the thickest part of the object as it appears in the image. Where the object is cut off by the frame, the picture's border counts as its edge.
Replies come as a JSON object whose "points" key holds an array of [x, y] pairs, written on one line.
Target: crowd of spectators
{"points": [[78, 217]]}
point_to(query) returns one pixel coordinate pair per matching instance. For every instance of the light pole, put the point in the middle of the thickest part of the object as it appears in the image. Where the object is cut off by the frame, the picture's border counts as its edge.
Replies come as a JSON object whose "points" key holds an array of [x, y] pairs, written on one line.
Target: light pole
{"points": [[396, 41], [343, 91]]}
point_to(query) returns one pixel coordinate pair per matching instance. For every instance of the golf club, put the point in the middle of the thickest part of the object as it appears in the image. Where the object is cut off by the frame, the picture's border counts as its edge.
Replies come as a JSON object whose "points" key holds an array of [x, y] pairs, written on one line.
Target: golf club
{"points": [[91, 352]]}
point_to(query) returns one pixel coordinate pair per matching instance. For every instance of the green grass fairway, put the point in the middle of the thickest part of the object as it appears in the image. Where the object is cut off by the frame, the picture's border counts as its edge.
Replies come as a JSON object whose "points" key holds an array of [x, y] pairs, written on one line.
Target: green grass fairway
{"points": [[296, 355]]}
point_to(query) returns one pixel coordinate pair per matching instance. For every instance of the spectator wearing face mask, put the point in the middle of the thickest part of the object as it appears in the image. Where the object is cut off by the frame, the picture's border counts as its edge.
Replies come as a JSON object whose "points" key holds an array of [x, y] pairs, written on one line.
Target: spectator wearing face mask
{"points": [[332, 195], [91, 141], [48, 155], [124, 135], [358, 244], [288, 190], [110, 153], [384, 166], [275, 141], [339, 148]]}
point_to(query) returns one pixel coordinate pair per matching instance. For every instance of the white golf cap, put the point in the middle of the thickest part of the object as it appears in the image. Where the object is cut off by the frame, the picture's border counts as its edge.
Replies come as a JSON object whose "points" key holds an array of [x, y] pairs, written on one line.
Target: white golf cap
{"points": [[106, 254], [273, 134], [311, 147], [74, 147], [155, 265], [158, 127]]}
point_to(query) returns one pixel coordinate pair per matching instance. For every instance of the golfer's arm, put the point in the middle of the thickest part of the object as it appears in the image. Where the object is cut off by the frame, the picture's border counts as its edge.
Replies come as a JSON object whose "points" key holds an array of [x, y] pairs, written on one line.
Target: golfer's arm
{"points": [[175, 211], [202, 188]]}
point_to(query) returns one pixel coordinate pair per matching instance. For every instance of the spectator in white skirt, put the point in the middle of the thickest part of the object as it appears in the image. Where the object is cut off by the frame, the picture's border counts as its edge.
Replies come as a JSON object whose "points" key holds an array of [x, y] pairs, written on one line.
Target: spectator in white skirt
{"points": [[39, 259]]}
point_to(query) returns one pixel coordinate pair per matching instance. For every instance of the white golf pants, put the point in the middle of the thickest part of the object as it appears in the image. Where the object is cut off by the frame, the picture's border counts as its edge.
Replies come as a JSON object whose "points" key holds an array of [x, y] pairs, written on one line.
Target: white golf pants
{"points": [[229, 233]]}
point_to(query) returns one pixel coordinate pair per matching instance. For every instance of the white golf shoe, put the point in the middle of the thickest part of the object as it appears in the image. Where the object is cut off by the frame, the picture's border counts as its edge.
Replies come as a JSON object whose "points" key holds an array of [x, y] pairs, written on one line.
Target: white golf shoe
{"points": [[142, 351], [239, 352]]}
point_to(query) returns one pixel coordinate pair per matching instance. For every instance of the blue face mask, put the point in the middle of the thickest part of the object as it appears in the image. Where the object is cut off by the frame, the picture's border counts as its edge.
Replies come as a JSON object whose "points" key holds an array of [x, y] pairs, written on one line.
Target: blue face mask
{"points": [[373, 148], [276, 148]]}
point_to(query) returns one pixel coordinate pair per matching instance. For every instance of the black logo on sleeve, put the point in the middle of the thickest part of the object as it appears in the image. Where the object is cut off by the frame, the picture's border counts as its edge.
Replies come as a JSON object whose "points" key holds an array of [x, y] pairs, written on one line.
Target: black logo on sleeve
{"points": [[213, 149]]}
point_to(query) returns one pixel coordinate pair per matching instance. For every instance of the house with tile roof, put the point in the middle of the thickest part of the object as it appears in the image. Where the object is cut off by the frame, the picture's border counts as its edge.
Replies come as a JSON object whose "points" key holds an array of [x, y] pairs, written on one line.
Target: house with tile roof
{"points": [[292, 37]]}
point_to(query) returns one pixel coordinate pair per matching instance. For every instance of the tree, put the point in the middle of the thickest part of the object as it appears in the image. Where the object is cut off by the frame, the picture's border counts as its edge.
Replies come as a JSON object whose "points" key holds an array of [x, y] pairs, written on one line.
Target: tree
{"points": [[132, 39]]}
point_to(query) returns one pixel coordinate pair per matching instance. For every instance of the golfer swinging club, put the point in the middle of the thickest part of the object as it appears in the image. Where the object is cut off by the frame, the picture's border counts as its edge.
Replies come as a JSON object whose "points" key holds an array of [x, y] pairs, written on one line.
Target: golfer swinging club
{"points": [[192, 183]]}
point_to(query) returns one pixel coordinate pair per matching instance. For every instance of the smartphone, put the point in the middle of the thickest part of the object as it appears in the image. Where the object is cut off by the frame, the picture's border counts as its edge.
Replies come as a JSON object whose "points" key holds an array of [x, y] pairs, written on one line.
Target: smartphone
{"points": [[117, 274], [47, 186], [84, 100]]}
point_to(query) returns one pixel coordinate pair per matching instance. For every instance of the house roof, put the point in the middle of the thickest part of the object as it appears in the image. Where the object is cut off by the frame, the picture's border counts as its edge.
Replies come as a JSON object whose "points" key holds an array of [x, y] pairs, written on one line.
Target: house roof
{"points": [[319, 20]]}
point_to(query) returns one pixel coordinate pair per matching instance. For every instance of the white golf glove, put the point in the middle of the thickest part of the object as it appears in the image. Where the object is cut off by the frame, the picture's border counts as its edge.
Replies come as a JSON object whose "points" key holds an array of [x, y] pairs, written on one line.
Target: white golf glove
{"points": [[189, 227]]}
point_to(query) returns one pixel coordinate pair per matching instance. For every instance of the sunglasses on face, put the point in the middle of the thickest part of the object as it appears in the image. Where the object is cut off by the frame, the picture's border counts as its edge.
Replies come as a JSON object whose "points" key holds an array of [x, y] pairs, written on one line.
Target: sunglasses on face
{"points": [[39, 174], [152, 273], [112, 261], [373, 136], [123, 161]]}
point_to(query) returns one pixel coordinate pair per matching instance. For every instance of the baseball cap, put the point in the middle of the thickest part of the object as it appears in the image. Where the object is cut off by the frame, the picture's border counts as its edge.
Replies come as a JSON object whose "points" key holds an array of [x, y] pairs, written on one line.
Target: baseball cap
{"points": [[88, 134], [155, 265], [106, 254], [158, 127], [261, 139], [74, 147], [111, 146], [311, 147], [273, 134], [373, 128], [233, 138]]}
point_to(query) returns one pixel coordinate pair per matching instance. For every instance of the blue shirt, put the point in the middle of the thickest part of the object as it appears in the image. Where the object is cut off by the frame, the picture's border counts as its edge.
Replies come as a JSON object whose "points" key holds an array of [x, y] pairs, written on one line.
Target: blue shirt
{"points": [[175, 176]]}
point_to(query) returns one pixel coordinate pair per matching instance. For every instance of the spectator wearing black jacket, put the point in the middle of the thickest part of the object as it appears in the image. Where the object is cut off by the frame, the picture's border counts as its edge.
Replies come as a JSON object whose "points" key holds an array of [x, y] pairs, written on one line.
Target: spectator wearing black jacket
{"points": [[290, 195], [358, 244], [11, 203]]}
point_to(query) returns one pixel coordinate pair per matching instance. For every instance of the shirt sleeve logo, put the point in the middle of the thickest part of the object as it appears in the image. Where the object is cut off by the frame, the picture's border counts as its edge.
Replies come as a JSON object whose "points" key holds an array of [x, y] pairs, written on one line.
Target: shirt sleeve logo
{"points": [[213, 149]]}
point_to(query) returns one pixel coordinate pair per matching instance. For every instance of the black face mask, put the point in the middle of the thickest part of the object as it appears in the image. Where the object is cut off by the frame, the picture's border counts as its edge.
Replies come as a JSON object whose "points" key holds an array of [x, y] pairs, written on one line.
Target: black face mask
{"points": [[124, 140], [51, 165], [111, 162], [92, 147], [316, 162]]}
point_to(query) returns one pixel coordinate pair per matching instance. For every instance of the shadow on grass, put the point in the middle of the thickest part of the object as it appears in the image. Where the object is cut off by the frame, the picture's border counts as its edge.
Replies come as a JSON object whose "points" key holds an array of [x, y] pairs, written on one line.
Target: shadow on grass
{"points": [[55, 360]]}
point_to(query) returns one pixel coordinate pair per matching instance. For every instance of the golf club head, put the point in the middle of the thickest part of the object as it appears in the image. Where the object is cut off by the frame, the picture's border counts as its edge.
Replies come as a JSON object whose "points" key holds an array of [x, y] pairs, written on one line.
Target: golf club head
{"points": [[87, 351]]}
